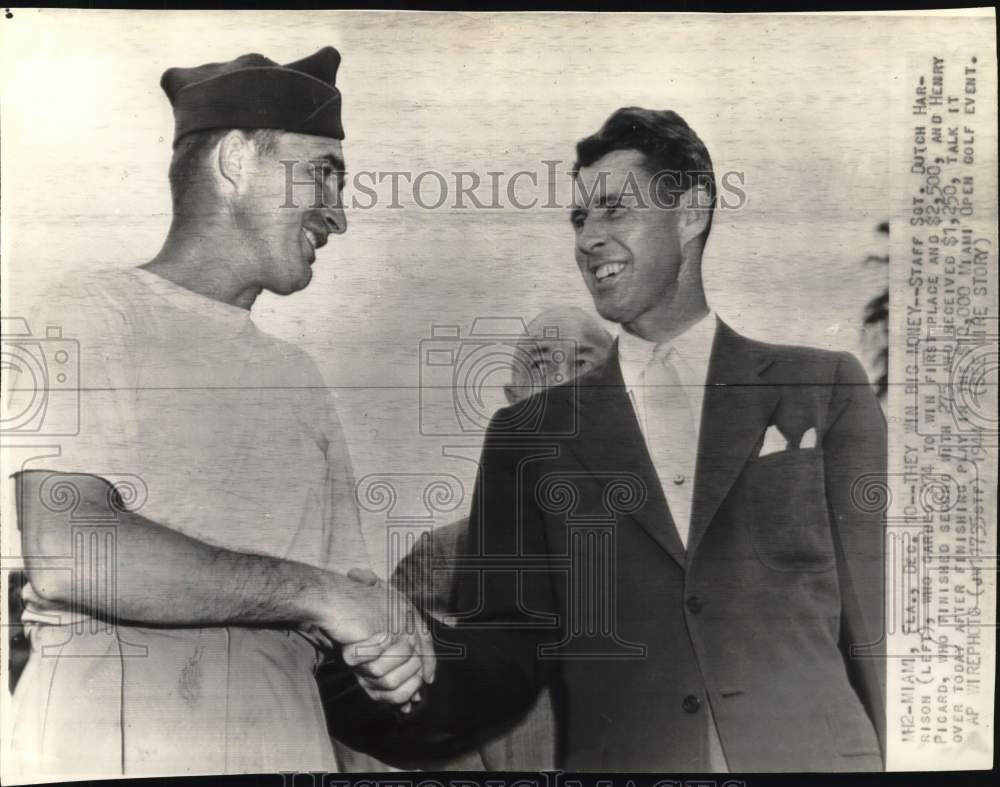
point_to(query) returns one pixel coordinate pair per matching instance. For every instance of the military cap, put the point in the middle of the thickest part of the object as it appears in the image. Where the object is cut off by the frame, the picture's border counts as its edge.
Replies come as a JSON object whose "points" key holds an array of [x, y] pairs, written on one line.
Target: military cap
{"points": [[253, 91]]}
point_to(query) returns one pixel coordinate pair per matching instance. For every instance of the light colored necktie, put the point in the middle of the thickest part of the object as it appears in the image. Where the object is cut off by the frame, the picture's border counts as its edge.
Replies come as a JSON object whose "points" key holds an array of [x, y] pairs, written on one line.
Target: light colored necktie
{"points": [[671, 433], [672, 437]]}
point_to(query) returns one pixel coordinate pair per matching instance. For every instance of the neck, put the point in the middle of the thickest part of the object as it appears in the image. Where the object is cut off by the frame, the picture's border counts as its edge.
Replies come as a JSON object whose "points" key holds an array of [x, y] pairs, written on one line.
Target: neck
{"points": [[656, 328], [684, 306], [199, 257]]}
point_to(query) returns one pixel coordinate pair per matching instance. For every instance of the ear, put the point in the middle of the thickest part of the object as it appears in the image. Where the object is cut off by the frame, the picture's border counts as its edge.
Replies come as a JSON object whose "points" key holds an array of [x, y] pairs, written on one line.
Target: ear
{"points": [[696, 211], [234, 152], [510, 391]]}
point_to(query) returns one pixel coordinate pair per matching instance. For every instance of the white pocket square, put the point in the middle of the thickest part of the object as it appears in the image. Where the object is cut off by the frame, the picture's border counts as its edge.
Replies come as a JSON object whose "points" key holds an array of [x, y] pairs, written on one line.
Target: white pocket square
{"points": [[809, 438], [774, 441]]}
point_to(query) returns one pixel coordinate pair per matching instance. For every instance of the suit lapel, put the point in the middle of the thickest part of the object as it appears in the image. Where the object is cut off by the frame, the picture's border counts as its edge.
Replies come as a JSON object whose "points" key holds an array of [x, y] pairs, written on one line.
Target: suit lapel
{"points": [[610, 440], [736, 410]]}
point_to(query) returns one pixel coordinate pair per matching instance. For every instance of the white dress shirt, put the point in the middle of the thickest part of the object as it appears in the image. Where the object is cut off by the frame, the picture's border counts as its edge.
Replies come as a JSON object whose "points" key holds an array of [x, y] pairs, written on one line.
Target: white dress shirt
{"points": [[692, 352], [690, 356]]}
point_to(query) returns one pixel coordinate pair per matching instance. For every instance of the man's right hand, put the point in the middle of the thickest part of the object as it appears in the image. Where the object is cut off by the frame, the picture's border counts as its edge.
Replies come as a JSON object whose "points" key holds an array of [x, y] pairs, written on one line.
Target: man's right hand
{"points": [[382, 637], [166, 578]]}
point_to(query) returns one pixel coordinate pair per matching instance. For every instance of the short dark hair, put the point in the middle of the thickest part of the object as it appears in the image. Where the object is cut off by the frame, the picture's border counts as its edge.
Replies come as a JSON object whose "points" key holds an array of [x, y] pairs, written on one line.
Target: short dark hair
{"points": [[665, 140], [191, 149]]}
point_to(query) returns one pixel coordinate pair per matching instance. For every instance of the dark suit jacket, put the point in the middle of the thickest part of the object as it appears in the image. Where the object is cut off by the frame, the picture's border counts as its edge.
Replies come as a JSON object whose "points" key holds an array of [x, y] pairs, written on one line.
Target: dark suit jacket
{"points": [[426, 577], [773, 613], [425, 574]]}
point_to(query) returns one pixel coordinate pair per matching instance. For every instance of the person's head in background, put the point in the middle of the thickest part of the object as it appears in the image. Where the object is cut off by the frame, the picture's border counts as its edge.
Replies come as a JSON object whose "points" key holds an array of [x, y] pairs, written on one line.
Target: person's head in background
{"points": [[559, 345]]}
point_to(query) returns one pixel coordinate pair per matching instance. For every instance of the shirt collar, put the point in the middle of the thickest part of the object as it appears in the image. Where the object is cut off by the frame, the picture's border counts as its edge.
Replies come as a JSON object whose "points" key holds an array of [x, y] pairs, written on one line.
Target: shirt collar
{"points": [[235, 317], [694, 346]]}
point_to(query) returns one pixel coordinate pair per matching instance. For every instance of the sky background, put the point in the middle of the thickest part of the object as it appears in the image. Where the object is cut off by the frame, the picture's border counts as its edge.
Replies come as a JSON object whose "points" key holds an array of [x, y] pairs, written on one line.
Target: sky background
{"points": [[800, 107]]}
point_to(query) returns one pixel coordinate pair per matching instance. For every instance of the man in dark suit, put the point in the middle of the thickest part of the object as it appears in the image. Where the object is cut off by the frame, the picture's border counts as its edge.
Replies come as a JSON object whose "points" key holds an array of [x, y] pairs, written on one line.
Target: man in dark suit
{"points": [[558, 345], [738, 580]]}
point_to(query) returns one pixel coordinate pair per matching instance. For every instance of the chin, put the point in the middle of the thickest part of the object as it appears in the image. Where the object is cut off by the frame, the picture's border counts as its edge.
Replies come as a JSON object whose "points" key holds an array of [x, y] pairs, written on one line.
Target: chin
{"points": [[610, 311], [300, 276], [289, 286]]}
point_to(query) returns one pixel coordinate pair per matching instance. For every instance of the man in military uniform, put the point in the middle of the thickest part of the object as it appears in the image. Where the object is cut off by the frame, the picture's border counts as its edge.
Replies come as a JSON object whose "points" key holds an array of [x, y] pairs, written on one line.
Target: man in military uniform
{"points": [[237, 525]]}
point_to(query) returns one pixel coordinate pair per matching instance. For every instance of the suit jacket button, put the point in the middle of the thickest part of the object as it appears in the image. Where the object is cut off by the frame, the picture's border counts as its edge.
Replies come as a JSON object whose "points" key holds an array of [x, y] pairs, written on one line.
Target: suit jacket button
{"points": [[691, 703], [694, 605]]}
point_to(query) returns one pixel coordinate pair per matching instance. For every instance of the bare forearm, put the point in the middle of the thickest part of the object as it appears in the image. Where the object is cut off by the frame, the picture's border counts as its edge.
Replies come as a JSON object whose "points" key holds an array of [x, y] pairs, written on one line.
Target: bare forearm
{"points": [[167, 578], [162, 577]]}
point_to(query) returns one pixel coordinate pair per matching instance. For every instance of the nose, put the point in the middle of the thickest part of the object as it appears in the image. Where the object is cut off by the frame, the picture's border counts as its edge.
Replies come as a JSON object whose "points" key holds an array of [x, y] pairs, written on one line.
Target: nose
{"points": [[335, 218], [332, 212], [590, 238]]}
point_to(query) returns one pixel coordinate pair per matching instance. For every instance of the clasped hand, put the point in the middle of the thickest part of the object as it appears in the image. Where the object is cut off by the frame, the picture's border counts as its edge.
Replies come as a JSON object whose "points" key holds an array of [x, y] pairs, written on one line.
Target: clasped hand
{"points": [[383, 639]]}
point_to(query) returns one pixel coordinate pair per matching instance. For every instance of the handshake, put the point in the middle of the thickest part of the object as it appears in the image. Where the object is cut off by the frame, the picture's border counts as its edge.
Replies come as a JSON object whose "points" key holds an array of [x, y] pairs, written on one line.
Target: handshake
{"points": [[380, 636]]}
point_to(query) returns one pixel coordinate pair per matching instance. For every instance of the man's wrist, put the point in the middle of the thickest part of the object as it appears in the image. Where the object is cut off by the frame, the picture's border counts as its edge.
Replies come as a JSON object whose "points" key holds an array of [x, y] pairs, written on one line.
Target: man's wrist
{"points": [[320, 593]]}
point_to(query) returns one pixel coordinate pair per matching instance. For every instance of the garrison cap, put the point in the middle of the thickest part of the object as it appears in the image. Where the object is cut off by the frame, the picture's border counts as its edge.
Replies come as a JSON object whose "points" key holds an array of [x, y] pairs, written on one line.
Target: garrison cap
{"points": [[253, 91]]}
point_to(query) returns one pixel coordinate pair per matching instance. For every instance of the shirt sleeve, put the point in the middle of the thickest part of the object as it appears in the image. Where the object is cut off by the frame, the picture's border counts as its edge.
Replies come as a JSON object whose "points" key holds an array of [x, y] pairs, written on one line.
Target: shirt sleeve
{"points": [[342, 545], [73, 384], [70, 391]]}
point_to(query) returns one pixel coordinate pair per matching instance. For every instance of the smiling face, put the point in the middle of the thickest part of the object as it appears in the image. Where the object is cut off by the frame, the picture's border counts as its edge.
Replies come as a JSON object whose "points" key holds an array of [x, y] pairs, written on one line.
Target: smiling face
{"points": [[290, 203], [628, 246]]}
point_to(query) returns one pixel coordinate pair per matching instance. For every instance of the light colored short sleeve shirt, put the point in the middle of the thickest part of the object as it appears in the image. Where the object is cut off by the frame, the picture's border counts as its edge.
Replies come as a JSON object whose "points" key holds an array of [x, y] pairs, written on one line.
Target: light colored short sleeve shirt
{"points": [[220, 431]]}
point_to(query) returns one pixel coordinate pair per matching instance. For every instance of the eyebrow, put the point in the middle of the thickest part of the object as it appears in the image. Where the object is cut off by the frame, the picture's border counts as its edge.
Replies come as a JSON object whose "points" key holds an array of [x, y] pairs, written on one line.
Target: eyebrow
{"points": [[333, 160], [605, 198], [602, 202], [338, 165]]}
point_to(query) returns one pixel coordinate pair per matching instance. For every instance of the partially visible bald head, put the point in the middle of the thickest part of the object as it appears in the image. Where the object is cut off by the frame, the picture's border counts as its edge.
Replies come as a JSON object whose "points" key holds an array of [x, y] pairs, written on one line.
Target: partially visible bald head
{"points": [[571, 322], [558, 345]]}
